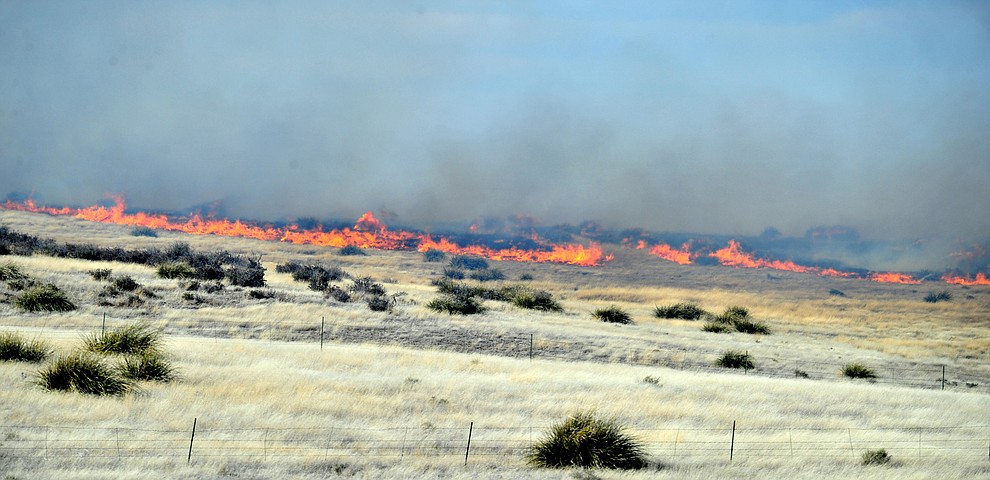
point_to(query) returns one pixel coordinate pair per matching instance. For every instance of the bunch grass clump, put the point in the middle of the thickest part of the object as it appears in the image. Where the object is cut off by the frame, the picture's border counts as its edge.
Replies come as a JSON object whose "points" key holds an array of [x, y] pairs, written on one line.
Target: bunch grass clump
{"points": [[467, 262], [348, 250], [612, 314], [45, 298], [587, 441], [100, 274], [683, 311], [148, 366], [935, 297], [434, 255], [83, 373], [537, 300], [858, 370], [137, 338], [735, 319], [734, 359], [13, 348]]}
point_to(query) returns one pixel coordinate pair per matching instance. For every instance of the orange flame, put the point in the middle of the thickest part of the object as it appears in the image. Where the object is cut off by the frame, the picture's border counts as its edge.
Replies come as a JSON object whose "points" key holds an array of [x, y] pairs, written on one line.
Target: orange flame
{"points": [[368, 232], [733, 256], [666, 252], [981, 279], [891, 277]]}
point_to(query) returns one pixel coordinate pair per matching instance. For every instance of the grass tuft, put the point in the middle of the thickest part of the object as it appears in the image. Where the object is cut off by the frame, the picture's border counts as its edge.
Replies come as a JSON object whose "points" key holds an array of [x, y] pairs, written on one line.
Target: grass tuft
{"points": [[858, 370], [176, 270], [45, 298], [612, 314], [83, 373], [100, 274], [11, 271], [13, 348], [147, 366], [586, 441], [137, 338], [734, 359], [434, 255], [935, 297], [683, 311], [716, 327]]}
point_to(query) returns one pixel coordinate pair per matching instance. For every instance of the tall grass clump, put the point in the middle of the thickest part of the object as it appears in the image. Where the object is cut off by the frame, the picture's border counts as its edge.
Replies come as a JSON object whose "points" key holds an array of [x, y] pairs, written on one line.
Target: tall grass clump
{"points": [[45, 298], [83, 373], [147, 366], [538, 300], [586, 441], [612, 314], [683, 311], [13, 348], [858, 370], [735, 319], [137, 338], [734, 359]]}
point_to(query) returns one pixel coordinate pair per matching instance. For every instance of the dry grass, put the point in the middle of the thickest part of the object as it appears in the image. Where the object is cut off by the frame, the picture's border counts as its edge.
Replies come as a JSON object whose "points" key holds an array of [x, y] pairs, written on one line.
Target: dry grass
{"points": [[256, 364]]}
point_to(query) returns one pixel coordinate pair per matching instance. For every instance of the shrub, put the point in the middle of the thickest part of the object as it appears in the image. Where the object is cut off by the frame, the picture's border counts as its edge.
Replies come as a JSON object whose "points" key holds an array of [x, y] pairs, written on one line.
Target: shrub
{"points": [[11, 271], [379, 303], [124, 283], [252, 276], [351, 250], [836, 293], [735, 313], [468, 262], [612, 314], [525, 277], [82, 373], [45, 298], [453, 273], [147, 366], [144, 232], [130, 339], [683, 311], [456, 305], [434, 255], [176, 270], [261, 294], [733, 359], [858, 370], [934, 297], [318, 276], [339, 294], [487, 274], [585, 441], [875, 457], [539, 300], [367, 285], [14, 348], [100, 274]]}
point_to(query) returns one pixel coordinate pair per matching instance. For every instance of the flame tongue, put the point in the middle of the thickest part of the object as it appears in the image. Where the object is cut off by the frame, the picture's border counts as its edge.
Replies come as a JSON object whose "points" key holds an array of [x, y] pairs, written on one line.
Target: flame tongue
{"points": [[733, 256], [368, 232], [981, 279]]}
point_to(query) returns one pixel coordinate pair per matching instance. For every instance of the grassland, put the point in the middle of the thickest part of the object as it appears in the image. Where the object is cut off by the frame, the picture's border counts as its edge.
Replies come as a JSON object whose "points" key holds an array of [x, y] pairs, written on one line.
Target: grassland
{"points": [[413, 374]]}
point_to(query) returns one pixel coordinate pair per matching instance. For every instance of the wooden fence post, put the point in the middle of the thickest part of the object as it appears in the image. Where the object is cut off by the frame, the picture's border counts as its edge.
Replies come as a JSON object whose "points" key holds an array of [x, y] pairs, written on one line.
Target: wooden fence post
{"points": [[468, 450], [732, 445], [323, 322]]}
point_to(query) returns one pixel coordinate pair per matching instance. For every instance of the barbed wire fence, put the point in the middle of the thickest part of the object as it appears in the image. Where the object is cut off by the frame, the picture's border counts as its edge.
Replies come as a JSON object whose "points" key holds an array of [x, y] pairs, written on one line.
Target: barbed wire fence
{"points": [[530, 346], [483, 444]]}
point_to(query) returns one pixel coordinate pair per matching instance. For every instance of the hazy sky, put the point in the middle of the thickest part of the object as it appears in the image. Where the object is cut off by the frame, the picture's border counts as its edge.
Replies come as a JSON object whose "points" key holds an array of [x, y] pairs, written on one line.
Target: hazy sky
{"points": [[723, 117]]}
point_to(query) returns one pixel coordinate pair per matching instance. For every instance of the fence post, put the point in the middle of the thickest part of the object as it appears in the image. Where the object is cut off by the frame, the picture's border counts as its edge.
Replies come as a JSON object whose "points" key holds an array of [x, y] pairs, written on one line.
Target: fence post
{"points": [[677, 436], [191, 437], [943, 377], [104, 331], [732, 445], [531, 347], [468, 450], [323, 322]]}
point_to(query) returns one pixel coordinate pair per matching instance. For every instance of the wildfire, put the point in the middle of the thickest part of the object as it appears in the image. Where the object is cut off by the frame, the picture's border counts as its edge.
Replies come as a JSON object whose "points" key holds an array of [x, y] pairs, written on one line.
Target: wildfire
{"points": [[733, 256], [666, 252], [891, 277], [368, 232], [981, 279]]}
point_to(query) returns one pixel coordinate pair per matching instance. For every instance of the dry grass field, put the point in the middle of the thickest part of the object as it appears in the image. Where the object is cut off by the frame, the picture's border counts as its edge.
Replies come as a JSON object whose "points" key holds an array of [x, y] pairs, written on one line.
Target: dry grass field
{"points": [[398, 394]]}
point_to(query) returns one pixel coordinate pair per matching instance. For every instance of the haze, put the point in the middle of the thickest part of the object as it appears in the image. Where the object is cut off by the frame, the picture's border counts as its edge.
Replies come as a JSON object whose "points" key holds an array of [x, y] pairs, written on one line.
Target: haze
{"points": [[720, 117]]}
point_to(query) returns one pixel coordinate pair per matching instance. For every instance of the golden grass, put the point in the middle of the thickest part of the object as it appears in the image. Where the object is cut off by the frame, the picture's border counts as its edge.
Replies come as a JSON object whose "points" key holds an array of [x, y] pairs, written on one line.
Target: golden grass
{"points": [[257, 365]]}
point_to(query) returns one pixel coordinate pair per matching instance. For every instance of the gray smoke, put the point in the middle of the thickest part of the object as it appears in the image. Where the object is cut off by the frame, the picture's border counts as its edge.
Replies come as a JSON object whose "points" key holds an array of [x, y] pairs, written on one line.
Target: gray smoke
{"points": [[681, 119]]}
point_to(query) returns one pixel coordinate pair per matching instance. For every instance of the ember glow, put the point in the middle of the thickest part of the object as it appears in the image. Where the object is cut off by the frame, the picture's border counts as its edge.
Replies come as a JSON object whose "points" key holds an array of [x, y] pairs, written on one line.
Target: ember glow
{"points": [[368, 232]]}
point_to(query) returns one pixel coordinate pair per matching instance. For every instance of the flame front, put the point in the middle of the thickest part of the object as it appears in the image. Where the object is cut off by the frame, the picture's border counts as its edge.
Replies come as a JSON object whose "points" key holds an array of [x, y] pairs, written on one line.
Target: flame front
{"points": [[368, 232], [981, 279], [733, 256]]}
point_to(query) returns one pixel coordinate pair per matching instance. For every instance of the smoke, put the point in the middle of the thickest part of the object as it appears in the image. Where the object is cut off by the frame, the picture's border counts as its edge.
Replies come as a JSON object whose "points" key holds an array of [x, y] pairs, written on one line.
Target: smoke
{"points": [[696, 119]]}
